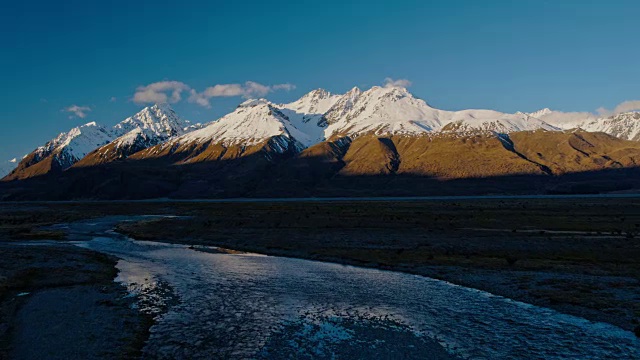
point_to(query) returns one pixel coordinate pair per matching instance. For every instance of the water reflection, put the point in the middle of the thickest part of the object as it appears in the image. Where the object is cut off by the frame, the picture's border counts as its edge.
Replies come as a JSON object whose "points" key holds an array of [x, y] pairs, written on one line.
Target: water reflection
{"points": [[244, 306]]}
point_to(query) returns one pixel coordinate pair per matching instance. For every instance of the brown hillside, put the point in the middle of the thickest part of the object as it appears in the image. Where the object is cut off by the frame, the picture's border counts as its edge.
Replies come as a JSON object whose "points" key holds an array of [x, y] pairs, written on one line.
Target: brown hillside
{"points": [[371, 155], [484, 163], [32, 166], [208, 152], [566, 152], [454, 157]]}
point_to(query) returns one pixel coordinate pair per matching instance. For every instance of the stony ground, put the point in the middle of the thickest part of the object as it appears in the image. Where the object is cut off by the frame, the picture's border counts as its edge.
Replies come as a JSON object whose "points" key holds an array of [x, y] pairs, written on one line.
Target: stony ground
{"points": [[60, 302]]}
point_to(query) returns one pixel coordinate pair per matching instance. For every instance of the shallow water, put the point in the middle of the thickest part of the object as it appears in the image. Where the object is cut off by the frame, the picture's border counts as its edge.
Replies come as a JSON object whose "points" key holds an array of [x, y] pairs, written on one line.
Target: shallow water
{"points": [[253, 306]]}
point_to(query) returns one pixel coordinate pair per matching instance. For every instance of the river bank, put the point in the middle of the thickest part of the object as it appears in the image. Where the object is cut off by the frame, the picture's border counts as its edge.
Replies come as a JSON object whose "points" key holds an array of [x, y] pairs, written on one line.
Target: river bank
{"points": [[58, 301], [578, 256], [246, 305]]}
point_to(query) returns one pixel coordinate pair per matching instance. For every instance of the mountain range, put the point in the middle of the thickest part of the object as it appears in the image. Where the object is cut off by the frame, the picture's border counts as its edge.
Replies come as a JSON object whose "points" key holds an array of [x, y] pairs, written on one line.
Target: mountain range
{"points": [[379, 141]]}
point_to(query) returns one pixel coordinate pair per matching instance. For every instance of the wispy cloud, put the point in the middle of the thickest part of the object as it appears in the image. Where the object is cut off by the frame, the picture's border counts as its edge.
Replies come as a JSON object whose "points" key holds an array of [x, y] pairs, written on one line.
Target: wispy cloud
{"points": [[285, 87], [160, 92], [77, 111], [389, 82], [625, 106], [247, 90], [171, 91], [113, 99]]}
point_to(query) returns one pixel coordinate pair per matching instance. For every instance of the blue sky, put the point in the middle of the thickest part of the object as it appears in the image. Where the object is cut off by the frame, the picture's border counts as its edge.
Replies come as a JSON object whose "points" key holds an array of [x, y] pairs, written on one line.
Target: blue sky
{"points": [[503, 55]]}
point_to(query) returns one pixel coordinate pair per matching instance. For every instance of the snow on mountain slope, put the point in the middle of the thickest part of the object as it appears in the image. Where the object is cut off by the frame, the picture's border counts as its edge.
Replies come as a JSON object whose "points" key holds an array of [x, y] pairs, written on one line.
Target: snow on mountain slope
{"points": [[159, 120], [317, 102], [625, 126], [150, 126], [251, 123], [7, 166], [320, 115], [153, 124], [393, 110], [307, 114], [381, 110], [72, 146], [563, 120], [489, 120], [315, 117], [343, 107]]}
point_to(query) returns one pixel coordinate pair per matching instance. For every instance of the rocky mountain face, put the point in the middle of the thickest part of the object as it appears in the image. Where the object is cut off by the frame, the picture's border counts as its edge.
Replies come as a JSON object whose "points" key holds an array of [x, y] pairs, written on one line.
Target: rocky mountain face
{"points": [[151, 126], [379, 141], [95, 144], [625, 125], [62, 152]]}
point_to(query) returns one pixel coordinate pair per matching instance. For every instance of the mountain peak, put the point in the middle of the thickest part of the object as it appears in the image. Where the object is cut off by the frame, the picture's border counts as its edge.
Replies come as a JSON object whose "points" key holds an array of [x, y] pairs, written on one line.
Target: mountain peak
{"points": [[390, 91], [161, 106], [159, 119], [354, 90], [254, 102], [542, 112], [317, 94]]}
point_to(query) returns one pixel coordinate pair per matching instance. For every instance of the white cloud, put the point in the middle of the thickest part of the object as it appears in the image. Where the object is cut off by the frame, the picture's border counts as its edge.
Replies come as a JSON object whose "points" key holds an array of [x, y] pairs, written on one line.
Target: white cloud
{"points": [[224, 90], [247, 90], [79, 111], [625, 106], [113, 99], [389, 82], [253, 89], [199, 98], [160, 92], [285, 87]]}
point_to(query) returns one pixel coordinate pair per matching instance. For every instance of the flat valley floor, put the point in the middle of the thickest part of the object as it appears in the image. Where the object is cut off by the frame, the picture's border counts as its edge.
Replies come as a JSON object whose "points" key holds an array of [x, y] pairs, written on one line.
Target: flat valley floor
{"points": [[579, 256]]}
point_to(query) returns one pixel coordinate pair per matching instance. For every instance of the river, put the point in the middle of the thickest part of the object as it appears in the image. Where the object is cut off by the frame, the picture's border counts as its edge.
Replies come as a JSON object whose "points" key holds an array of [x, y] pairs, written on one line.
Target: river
{"points": [[214, 304]]}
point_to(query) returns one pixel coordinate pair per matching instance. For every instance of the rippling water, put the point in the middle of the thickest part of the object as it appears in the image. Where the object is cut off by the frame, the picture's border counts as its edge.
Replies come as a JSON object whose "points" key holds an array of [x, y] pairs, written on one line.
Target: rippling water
{"points": [[250, 306]]}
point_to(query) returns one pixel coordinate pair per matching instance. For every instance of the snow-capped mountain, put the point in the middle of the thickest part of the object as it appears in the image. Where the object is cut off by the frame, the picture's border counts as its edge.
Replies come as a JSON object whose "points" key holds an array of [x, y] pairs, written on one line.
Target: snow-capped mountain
{"points": [[625, 126], [394, 110], [343, 106], [320, 115], [252, 122], [381, 110], [152, 125], [7, 166], [308, 112], [67, 148], [563, 120], [321, 141], [158, 120], [469, 121]]}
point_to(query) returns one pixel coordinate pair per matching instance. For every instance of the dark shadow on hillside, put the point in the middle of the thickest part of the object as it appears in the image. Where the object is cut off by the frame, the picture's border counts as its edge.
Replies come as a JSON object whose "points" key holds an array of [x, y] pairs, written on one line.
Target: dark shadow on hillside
{"points": [[289, 176]]}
